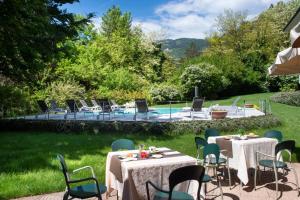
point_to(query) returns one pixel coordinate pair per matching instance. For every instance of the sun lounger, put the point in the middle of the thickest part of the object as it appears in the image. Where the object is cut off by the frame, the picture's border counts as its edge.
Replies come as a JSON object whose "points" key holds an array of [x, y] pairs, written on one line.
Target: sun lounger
{"points": [[197, 107], [55, 108], [141, 107], [86, 107]]}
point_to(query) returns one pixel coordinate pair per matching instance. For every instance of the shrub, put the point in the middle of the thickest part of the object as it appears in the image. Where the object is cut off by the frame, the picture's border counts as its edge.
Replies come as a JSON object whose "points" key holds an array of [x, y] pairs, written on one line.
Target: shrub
{"points": [[61, 91], [290, 98], [282, 83], [14, 101], [136, 127], [207, 77], [164, 92], [121, 96]]}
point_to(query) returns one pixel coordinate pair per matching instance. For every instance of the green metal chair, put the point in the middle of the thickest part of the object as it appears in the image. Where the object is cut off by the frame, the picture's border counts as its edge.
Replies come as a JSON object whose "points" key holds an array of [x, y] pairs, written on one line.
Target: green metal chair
{"points": [[274, 134], [122, 144], [200, 144], [210, 132], [192, 172], [83, 191], [211, 157], [275, 164]]}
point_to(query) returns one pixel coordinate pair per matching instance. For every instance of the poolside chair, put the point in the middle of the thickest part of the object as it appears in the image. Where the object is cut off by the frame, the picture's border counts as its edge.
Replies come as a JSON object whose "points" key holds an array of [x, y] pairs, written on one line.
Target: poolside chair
{"points": [[122, 144], [114, 105], [55, 108], [43, 108], [197, 107], [81, 191], [141, 107], [73, 108], [192, 172], [274, 163], [233, 108], [86, 107]]}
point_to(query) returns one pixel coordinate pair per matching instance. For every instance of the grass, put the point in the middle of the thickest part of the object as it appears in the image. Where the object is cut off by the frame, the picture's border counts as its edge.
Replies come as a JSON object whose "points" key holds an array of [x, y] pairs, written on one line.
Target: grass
{"points": [[29, 165]]}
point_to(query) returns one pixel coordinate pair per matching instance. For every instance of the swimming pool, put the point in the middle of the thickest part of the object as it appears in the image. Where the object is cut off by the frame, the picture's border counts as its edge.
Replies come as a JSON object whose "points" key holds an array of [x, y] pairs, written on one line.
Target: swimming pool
{"points": [[160, 110], [166, 110]]}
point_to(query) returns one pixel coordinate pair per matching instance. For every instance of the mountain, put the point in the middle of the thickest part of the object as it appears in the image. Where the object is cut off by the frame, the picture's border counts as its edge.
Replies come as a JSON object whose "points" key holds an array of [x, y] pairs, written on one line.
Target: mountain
{"points": [[178, 47]]}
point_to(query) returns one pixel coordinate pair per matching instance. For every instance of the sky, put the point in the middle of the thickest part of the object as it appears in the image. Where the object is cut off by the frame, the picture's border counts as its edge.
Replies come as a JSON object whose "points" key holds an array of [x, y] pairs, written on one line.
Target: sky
{"points": [[172, 18]]}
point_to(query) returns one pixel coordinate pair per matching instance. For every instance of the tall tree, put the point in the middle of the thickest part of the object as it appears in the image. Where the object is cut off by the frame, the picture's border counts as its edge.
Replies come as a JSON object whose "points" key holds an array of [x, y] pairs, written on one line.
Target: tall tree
{"points": [[114, 21], [30, 32]]}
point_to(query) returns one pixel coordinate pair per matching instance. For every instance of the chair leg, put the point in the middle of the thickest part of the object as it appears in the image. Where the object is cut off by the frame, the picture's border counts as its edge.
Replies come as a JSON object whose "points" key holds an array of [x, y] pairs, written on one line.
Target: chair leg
{"points": [[276, 181], [229, 175], [255, 175], [66, 196], [219, 183]]}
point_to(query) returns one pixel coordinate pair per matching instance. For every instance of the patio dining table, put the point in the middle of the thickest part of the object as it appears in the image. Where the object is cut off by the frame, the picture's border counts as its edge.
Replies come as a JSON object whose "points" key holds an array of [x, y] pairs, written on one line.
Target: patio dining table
{"points": [[129, 177], [243, 152]]}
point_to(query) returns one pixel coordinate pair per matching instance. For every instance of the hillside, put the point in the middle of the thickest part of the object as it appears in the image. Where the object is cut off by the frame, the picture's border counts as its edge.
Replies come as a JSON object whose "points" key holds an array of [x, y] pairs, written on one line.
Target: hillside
{"points": [[177, 47]]}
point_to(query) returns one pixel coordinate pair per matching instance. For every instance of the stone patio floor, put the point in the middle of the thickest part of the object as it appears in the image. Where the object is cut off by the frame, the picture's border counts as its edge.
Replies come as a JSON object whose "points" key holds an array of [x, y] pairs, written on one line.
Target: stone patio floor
{"points": [[265, 189]]}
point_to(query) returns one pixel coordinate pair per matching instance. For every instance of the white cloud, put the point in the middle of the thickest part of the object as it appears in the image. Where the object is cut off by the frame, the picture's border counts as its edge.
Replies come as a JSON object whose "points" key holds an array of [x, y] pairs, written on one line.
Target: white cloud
{"points": [[196, 18]]}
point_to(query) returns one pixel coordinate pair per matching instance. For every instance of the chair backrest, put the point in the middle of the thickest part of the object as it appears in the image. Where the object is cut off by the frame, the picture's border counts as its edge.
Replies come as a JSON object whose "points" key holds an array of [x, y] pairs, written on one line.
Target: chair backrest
{"points": [[72, 105], [64, 168], [274, 134], [94, 102], [105, 105], [53, 104], [197, 104], [191, 172], [141, 105], [210, 132], [113, 102], [289, 145], [200, 142], [122, 144], [83, 103], [43, 106], [212, 149], [234, 103]]}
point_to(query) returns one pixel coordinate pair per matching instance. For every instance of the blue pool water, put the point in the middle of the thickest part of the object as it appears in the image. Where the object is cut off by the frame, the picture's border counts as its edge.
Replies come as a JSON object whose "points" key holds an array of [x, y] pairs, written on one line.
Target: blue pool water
{"points": [[167, 110]]}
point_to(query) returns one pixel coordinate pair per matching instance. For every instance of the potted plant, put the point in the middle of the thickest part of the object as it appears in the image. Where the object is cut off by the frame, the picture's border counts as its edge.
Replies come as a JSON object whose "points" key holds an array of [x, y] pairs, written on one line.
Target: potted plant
{"points": [[217, 113]]}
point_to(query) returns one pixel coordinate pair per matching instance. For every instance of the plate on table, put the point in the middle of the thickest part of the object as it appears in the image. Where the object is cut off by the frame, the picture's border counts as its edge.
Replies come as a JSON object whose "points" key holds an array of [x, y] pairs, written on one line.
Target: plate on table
{"points": [[122, 156], [157, 156]]}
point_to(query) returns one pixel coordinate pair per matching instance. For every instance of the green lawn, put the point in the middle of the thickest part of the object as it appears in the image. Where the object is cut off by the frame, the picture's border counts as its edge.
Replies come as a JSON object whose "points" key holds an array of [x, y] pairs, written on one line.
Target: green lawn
{"points": [[29, 167]]}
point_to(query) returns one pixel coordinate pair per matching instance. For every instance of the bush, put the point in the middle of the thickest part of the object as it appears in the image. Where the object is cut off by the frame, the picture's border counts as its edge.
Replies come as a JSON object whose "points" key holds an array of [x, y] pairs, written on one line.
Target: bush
{"points": [[282, 83], [121, 96], [61, 91], [164, 92], [290, 98], [169, 128], [14, 101], [207, 77]]}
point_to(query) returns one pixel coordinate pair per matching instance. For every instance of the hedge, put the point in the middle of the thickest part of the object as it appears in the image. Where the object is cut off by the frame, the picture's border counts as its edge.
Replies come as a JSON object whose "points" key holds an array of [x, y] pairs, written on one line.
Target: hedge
{"points": [[289, 98], [172, 128]]}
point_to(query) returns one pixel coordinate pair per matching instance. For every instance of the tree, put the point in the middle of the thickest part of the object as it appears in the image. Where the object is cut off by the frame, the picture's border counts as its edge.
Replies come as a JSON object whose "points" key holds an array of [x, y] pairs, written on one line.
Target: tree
{"points": [[207, 77], [114, 21], [30, 32]]}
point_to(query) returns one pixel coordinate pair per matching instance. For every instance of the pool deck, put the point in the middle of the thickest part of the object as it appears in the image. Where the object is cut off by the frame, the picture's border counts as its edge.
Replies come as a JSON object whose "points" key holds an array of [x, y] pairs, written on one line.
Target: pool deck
{"points": [[130, 116]]}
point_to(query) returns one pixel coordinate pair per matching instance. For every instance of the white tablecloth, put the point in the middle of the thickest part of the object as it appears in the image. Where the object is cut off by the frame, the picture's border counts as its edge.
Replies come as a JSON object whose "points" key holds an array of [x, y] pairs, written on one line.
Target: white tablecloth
{"points": [[140, 171], [244, 153]]}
